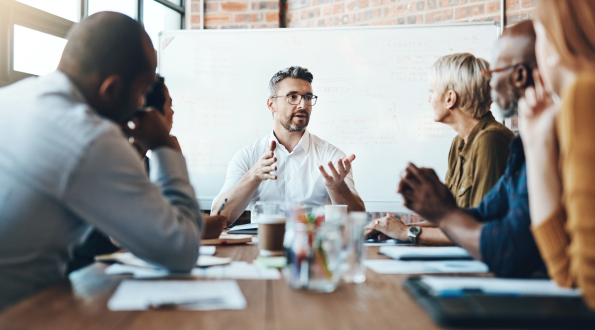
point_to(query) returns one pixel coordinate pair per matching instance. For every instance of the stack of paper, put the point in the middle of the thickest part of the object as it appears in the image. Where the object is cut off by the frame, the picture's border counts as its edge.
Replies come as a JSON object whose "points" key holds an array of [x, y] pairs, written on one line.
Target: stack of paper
{"points": [[456, 286], [236, 270], [190, 295], [130, 259], [384, 266], [425, 253]]}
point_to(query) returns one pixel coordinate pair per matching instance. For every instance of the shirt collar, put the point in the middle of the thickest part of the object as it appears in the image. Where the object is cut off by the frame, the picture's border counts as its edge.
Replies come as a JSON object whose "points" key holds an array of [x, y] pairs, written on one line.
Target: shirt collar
{"points": [[62, 82], [483, 122], [304, 141]]}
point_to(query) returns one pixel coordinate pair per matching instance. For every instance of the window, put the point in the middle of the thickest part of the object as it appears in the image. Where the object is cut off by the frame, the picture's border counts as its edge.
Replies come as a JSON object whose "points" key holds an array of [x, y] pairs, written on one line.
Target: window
{"points": [[68, 9], [36, 52], [33, 32], [157, 18], [127, 7]]}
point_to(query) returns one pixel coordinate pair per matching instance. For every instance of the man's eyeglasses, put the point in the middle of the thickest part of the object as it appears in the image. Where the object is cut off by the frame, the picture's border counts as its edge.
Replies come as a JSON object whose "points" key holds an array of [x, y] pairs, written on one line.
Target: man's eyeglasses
{"points": [[487, 72], [295, 99]]}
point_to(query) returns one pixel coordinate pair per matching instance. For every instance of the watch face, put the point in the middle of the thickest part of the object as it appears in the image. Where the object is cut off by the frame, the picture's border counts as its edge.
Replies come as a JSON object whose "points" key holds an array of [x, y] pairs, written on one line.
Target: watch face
{"points": [[414, 230]]}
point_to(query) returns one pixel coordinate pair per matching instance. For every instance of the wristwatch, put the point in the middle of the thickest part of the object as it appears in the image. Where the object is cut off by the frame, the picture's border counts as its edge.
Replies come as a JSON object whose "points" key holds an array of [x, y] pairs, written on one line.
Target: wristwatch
{"points": [[413, 232]]}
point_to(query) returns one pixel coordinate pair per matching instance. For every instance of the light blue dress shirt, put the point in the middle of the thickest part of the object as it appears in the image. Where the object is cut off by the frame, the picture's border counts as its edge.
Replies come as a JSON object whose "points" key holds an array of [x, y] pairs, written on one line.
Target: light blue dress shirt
{"points": [[64, 169]]}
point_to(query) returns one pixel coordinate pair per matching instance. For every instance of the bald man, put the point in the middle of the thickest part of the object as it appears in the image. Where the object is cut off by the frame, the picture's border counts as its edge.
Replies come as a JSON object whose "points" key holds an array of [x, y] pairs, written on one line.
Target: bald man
{"points": [[66, 166], [497, 232]]}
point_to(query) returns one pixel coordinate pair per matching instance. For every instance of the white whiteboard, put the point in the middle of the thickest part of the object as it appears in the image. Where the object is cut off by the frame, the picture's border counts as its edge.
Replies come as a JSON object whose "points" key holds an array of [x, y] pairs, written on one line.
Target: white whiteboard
{"points": [[372, 84]]}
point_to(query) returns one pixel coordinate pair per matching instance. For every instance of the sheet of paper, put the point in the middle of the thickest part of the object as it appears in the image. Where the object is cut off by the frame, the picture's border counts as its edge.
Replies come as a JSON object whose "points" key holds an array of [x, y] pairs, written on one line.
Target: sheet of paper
{"points": [[390, 242], [130, 259], [207, 250], [400, 252], [192, 295], [447, 286], [235, 270], [384, 266]]}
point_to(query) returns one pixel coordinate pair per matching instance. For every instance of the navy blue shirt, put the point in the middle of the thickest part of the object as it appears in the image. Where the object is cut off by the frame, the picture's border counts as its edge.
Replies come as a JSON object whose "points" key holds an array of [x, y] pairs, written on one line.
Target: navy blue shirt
{"points": [[506, 244]]}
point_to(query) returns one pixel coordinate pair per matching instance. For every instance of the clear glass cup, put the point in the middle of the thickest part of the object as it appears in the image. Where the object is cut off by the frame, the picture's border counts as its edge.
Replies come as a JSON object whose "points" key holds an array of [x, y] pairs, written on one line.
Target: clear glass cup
{"points": [[313, 250], [273, 208], [352, 254]]}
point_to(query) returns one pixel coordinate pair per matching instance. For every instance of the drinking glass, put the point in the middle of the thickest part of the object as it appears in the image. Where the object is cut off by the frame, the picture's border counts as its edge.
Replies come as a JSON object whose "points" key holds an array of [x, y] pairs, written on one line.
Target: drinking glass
{"points": [[353, 269], [273, 208], [313, 250]]}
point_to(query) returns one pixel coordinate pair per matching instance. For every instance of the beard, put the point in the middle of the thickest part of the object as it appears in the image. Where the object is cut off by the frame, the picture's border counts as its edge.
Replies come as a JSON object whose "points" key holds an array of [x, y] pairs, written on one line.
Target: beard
{"points": [[512, 105], [290, 126]]}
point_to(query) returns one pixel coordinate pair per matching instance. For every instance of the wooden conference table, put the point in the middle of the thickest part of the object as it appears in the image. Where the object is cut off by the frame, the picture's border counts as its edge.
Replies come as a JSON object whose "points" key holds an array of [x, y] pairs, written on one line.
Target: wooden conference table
{"points": [[81, 303]]}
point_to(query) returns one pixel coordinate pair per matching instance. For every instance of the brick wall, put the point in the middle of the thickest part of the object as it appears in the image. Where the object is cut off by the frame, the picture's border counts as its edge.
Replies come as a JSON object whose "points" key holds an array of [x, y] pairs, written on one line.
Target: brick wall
{"points": [[241, 14], [319, 13]]}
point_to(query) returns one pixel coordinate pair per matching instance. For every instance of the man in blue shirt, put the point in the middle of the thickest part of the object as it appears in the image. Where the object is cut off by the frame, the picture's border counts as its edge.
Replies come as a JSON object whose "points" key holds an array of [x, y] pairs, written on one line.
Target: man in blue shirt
{"points": [[498, 231]]}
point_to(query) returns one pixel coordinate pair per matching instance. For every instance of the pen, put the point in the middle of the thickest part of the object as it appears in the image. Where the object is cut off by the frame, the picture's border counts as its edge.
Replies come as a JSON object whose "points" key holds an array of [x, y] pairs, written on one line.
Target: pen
{"points": [[222, 205]]}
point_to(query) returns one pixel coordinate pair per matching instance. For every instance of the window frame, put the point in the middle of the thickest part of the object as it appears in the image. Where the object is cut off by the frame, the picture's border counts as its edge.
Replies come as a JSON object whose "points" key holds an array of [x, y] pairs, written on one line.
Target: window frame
{"points": [[16, 13], [13, 12]]}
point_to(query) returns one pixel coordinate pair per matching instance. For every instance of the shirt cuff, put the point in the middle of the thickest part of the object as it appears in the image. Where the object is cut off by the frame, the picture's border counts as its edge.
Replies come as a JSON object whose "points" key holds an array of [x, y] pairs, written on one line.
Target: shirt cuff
{"points": [[166, 163], [551, 237]]}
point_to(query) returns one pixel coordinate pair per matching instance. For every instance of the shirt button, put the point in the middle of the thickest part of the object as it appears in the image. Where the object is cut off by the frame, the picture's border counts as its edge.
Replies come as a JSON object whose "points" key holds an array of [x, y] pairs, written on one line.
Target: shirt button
{"points": [[462, 189]]}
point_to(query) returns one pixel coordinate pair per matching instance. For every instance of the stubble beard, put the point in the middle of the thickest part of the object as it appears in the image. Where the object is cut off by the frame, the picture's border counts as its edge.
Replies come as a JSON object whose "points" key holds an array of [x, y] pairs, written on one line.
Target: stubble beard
{"points": [[513, 105], [291, 127]]}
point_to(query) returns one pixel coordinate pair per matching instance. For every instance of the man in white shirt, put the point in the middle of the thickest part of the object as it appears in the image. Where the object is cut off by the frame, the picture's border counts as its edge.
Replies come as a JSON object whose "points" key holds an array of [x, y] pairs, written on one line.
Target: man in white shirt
{"points": [[65, 164], [287, 165]]}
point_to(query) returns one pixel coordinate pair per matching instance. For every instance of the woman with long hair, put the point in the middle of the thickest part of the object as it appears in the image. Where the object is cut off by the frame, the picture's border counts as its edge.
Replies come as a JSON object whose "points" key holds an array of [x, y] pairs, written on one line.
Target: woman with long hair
{"points": [[557, 123]]}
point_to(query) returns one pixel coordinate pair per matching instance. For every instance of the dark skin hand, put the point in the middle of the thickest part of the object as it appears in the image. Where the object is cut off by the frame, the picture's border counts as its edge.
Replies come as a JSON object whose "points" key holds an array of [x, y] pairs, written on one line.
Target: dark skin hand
{"points": [[424, 194], [150, 131]]}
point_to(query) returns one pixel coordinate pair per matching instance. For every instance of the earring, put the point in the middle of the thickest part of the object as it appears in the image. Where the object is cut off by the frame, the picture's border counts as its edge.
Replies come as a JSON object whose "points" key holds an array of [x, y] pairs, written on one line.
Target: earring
{"points": [[552, 60]]}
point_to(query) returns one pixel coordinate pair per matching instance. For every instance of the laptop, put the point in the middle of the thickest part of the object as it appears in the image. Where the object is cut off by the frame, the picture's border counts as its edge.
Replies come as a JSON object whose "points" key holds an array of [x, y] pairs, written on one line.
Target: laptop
{"points": [[476, 310]]}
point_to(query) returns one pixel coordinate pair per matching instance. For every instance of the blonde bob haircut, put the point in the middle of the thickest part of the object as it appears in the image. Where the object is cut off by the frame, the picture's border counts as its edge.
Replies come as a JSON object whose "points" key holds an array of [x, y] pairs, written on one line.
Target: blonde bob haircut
{"points": [[462, 74], [570, 27]]}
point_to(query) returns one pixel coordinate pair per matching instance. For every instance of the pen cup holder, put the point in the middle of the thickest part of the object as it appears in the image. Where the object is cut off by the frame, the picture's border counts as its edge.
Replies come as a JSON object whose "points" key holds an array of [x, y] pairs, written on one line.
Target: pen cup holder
{"points": [[313, 251]]}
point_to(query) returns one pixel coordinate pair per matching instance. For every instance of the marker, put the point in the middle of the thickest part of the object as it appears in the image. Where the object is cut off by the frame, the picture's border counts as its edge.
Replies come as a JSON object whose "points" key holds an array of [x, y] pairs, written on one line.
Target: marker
{"points": [[222, 205]]}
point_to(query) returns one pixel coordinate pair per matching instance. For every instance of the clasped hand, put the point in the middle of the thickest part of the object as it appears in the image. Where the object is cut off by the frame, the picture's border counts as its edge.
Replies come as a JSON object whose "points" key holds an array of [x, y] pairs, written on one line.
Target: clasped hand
{"points": [[149, 130], [425, 194], [387, 226]]}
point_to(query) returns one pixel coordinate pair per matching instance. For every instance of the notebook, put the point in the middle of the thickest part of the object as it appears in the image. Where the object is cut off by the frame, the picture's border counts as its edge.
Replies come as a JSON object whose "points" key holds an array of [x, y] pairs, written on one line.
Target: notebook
{"points": [[479, 310]]}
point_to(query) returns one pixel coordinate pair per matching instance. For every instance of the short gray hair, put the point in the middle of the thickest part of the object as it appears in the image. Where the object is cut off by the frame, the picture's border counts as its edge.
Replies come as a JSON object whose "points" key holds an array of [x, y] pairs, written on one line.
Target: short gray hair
{"points": [[296, 72], [462, 73]]}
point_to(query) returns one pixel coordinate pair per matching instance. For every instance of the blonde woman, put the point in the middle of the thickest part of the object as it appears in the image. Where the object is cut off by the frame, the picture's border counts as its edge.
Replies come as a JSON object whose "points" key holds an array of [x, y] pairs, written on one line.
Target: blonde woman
{"points": [[558, 140], [460, 98]]}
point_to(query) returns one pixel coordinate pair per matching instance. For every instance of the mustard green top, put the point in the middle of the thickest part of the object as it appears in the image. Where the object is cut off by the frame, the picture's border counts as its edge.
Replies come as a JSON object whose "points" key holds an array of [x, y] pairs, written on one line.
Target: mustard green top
{"points": [[475, 167], [566, 240]]}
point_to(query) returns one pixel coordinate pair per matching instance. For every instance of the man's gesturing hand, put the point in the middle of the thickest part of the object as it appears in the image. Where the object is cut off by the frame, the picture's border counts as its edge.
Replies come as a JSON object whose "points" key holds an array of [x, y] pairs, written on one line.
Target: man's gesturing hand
{"points": [[425, 194], [337, 177], [262, 170]]}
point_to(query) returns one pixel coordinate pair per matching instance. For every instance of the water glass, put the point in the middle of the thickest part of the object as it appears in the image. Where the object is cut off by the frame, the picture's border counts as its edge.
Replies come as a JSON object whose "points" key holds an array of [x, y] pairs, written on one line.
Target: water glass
{"points": [[353, 269], [313, 250], [272, 208]]}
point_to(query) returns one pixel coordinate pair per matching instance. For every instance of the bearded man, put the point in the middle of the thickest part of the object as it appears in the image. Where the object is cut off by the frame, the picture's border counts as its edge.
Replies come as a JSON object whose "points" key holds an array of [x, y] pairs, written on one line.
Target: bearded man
{"points": [[287, 164]]}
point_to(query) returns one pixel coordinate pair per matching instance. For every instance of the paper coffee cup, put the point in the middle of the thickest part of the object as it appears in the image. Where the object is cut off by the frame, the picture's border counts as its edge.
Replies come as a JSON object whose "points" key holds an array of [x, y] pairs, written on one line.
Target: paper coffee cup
{"points": [[271, 231]]}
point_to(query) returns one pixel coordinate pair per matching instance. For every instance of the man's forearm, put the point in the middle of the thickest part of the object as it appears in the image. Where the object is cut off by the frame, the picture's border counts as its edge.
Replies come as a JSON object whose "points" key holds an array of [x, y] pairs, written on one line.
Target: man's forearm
{"points": [[464, 230], [238, 198], [342, 195]]}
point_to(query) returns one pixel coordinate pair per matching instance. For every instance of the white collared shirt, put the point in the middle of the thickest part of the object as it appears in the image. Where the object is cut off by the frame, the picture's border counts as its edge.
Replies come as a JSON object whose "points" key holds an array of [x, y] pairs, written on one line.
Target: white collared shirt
{"points": [[298, 176]]}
